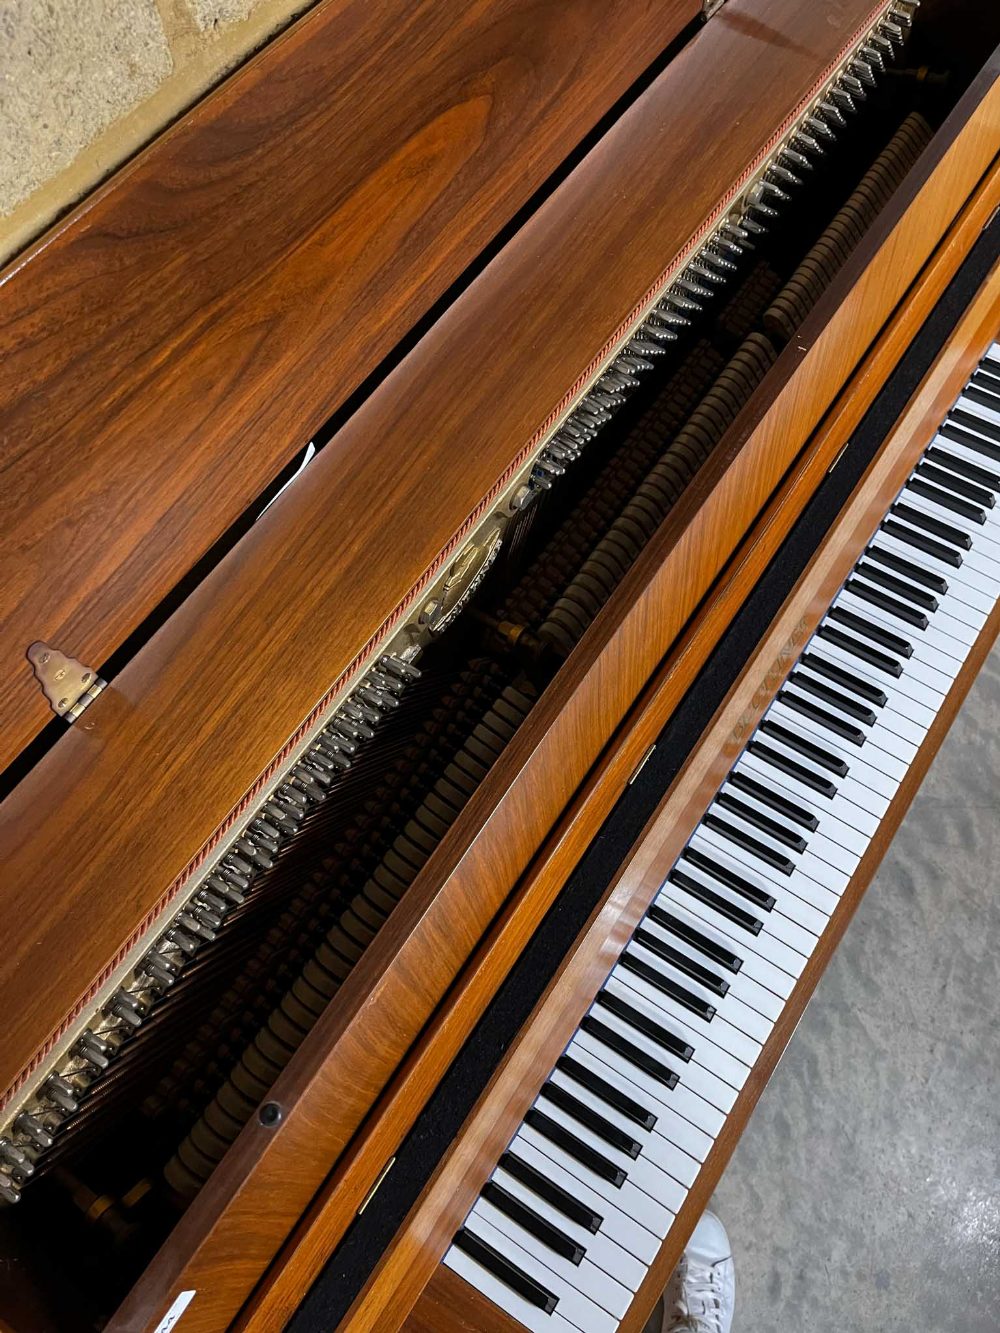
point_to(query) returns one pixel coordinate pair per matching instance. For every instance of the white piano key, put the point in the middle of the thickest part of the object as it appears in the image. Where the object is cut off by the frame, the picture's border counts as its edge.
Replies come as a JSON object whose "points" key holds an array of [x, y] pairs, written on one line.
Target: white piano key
{"points": [[850, 819], [807, 863], [985, 547], [912, 697], [800, 912], [667, 1156], [718, 1046], [698, 1073], [886, 716], [965, 583], [643, 1171], [573, 1305], [612, 1258], [741, 984], [930, 646], [868, 764], [670, 1124], [586, 1279], [628, 1198], [624, 1230], [837, 845], [756, 963], [504, 1298], [940, 620], [702, 1113]]}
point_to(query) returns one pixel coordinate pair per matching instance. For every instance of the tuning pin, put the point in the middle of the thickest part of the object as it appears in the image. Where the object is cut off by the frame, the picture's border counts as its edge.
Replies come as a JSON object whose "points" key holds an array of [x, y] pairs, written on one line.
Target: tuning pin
{"points": [[127, 1007], [782, 174], [841, 97], [8, 1190], [820, 127], [899, 14], [61, 1093], [16, 1160], [160, 970], [863, 72], [798, 160], [30, 1127], [831, 110], [891, 30], [645, 346], [665, 317], [95, 1050], [633, 362], [735, 232], [180, 940], [807, 143], [871, 56], [549, 465], [658, 330]]}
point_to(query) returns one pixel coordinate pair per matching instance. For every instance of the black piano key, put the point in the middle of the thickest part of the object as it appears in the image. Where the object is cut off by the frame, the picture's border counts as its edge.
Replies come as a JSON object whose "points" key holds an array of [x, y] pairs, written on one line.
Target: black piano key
{"points": [[843, 702], [968, 429], [868, 629], [946, 500], [730, 878], [609, 1094], [662, 1036], [961, 485], [775, 800], [947, 555], [831, 762], [552, 1193], [971, 471], [745, 920], [916, 573], [591, 1119], [792, 769], [765, 823], [635, 1055], [863, 651], [533, 1223], [504, 1271], [683, 931], [891, 604], [977, 394], [987, 380], [839, 726], [841, 676], [576, 1148], [874, 573], [677, 958], [944, 531], [749, 843], [640, 968]]}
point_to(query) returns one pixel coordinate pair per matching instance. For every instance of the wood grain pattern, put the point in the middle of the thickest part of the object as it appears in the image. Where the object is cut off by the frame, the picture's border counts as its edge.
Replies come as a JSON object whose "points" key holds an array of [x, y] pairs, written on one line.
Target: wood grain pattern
{"points": [[172, 344], [458, 1179], [231, 1232], [332, 1211], [262, 625]]}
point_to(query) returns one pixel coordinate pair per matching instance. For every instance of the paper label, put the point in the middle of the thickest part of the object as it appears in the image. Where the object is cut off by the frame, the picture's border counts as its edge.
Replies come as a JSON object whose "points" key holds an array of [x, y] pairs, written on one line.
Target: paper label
{"points": [[172, 1316]]}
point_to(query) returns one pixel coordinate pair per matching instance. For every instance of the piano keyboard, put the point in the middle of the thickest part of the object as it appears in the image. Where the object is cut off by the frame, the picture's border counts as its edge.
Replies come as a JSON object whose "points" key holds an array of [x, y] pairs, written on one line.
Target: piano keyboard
{"points": [[566, 1228]]}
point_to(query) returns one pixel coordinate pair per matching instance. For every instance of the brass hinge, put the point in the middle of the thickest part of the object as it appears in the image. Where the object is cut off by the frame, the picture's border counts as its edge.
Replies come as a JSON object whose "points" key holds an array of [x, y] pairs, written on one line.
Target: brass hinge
{"points": [[710, 7], [69, 686]]}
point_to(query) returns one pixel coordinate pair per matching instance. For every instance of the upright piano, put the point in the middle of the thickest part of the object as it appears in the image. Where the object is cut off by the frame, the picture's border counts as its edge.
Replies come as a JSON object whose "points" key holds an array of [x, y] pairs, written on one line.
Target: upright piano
{"points": [[499, 510]]}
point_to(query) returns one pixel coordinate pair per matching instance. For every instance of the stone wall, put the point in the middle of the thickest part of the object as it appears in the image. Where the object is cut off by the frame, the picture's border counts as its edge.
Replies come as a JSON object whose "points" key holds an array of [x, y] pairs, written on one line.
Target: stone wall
{"points": [[85, 83]]}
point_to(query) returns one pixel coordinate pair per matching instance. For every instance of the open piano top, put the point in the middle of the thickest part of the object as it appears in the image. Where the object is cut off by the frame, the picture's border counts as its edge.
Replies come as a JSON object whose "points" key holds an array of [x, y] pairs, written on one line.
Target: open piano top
{"points": [[330, 765]]}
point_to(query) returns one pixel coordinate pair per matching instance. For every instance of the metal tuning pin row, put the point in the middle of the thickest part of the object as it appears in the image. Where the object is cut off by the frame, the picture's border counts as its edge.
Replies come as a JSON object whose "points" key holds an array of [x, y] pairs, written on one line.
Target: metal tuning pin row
{"points": [[224, 888], [832, 248], [714, 264]]}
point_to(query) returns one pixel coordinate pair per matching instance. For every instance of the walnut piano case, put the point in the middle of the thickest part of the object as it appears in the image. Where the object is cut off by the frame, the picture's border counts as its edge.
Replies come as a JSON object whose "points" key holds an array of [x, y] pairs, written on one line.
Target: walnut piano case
{"points": [[253, 871]]}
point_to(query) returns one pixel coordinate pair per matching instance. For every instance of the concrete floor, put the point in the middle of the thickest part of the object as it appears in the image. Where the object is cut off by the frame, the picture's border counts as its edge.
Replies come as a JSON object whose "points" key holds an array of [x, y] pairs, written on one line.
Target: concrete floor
{"points": [[865, 1193]]}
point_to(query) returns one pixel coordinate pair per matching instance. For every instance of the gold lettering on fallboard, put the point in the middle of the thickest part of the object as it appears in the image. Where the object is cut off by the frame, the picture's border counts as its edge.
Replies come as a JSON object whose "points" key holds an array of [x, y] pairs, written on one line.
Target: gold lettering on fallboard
{"points": [[766, 689]]}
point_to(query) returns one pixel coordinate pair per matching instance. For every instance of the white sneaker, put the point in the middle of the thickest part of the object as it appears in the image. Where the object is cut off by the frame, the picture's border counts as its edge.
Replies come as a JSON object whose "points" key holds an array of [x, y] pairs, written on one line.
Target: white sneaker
{"points": [[701, 1296]]}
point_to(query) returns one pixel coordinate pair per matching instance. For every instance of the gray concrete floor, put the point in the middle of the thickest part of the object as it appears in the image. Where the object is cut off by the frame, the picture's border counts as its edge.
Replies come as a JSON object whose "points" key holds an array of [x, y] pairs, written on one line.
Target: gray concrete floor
{"points": [[865, 1193]]}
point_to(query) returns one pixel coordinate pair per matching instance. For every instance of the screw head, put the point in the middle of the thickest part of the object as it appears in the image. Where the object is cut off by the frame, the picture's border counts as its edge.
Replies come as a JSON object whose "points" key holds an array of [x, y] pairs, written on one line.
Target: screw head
{"points": [[270, 1115]]}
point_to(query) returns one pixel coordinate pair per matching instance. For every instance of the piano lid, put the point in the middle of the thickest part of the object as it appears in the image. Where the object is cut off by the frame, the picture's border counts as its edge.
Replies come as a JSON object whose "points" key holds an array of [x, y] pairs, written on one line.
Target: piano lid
{"points": [[168, 348]]}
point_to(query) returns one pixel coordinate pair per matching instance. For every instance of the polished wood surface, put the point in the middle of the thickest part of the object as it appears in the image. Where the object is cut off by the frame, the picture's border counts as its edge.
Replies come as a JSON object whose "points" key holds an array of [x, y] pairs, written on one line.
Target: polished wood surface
{"points": [[332, 1211], [231, 1232], [170, 346], [470, 1160], [492, 370]]}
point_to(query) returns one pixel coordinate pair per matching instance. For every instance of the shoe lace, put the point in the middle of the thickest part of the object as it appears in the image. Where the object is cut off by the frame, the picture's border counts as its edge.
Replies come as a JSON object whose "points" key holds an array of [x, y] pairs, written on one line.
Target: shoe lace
{"points": [[699, 1304]]}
